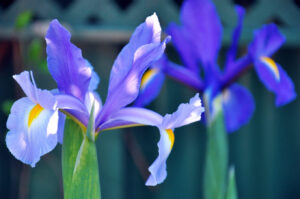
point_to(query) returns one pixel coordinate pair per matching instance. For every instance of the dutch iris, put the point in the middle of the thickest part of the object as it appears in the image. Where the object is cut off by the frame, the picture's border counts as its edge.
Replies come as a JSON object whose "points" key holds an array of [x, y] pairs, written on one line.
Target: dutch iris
{"points": [[198, 41], [36, 122]]}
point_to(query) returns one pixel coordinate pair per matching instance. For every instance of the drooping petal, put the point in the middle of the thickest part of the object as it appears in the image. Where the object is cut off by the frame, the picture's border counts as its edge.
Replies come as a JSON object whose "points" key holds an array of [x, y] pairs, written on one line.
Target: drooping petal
{"points": [[158, 168], [200, 19], [32, 131], [276, 80], [151, 84], [185, 114], [36, 95], [231, 55], [65, 62], [127, 90], [238, 107], [267, 40]]}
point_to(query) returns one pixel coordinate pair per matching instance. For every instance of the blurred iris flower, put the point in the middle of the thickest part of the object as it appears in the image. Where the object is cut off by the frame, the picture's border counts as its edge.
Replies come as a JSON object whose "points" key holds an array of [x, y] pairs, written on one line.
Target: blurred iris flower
{"points": [[198, 42], [36, 122]]}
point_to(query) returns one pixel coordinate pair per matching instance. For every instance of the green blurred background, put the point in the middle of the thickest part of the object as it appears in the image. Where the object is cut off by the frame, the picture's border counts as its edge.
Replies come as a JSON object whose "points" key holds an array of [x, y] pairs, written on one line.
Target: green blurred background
{"points": [[265, 152]]}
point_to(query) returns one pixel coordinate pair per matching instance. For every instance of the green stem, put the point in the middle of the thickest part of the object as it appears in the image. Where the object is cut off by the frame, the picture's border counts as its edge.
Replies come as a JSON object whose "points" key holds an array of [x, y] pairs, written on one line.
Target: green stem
{"points": [[216, 163]]}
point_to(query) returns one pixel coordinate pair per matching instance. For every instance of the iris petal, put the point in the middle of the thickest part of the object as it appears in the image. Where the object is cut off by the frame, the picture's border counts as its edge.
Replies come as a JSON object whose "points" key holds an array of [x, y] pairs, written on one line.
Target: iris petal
{"points": [[158, 168], [201, 20], [65, 62], [283, 87], [28, 144], [185, 114], [231, 55], [151, 84], [237, 112], [127, 90], [36, 95]]}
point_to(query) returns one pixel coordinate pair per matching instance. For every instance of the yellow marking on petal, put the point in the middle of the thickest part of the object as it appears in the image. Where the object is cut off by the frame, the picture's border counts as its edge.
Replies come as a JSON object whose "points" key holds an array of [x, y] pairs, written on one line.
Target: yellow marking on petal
{"points": [[34, 113], [121, 127], [148, 76], [271, 65], [171, 137]]}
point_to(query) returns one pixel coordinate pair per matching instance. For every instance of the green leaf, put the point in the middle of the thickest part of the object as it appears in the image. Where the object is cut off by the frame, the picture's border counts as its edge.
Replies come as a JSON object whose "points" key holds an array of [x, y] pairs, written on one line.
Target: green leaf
{"points": [[80, 164], [73, 137], [216, 154], [231, 188], [23, 20], [85, 181]]}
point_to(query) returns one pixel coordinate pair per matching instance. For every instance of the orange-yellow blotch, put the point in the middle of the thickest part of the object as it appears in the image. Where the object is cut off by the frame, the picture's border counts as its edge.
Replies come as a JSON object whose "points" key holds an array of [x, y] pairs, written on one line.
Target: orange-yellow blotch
{"points": [[147, 77], [34, 113], [271, 65], [171, 137]]}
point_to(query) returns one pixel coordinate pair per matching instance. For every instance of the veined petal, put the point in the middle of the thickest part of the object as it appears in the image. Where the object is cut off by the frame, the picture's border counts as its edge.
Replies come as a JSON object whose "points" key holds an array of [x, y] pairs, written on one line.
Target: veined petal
{"points": [[65, 62], [238, 107], [36, 95], [185, 114], [231, 54], [127, 89], [200, 19], [28, 141], [276, 80], [158, 168]]}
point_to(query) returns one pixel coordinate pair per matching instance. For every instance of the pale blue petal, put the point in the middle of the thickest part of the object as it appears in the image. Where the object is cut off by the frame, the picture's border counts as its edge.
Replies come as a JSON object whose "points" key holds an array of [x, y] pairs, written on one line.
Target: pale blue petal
{"points": [[126, 91], [90, 99], [26, 143], [65, 62], [95, 79], [61, 127], [185, 114], [36, 95], [132, 115], [158, 168]]}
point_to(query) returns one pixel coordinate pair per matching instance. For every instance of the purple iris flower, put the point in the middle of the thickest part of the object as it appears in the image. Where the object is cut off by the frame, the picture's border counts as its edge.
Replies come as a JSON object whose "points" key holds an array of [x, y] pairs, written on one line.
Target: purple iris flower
{"points": [[198, 42], [36, 122]]}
